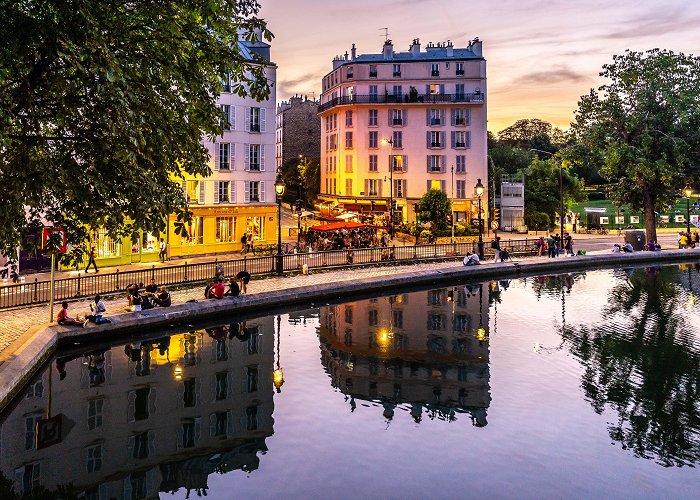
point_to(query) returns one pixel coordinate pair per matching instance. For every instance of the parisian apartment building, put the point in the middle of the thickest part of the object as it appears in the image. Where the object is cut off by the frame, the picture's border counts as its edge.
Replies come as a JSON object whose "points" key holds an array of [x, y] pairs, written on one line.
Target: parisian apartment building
{"points": [[395, 125], [298, 130]]}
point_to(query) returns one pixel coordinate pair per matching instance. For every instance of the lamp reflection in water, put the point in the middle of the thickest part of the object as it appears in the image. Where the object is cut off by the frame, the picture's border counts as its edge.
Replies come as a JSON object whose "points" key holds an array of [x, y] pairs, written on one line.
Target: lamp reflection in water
{"points": [[178, 373], [277, 375]]}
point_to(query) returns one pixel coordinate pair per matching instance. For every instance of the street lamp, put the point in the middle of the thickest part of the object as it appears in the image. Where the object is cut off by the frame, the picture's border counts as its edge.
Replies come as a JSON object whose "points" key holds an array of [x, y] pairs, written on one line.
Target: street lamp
{"points": [[390, 142], [452, 208], [279, 190], [479, 190], [561, 196], [278, 375], [298, 204], [688, 191]]}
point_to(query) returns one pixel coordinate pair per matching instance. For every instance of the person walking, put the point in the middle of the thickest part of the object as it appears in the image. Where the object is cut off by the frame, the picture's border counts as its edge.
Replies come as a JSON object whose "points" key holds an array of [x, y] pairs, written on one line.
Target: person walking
{"points": [[568, 245], [91, 260], [496, 245], [244, 244], [162, 253], [551, 247]]}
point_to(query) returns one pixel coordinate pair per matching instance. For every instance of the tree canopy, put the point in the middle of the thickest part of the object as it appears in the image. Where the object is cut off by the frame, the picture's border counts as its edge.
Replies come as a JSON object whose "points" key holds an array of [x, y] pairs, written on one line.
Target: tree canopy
{"points": [[104, 104], [435, 207], [643, 127], [534, 133], [542, 186]]}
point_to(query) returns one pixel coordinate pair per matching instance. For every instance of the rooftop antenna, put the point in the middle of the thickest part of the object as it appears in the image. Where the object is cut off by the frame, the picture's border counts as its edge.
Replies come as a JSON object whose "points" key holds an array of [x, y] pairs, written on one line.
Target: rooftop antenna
{"points": [[386, 33]]}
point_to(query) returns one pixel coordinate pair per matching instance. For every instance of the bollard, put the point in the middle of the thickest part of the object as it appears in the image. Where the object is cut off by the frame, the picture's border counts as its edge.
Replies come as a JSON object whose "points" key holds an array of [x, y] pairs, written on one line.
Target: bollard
{"points": [[36, 289], [116, 281], [305, 269], [77, 292]]}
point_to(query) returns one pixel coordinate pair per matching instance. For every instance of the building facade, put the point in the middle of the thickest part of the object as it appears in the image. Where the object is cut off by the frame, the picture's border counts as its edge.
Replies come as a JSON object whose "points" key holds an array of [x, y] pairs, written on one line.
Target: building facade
{"points": [[512, 202], [298, 130], [397, 124]]}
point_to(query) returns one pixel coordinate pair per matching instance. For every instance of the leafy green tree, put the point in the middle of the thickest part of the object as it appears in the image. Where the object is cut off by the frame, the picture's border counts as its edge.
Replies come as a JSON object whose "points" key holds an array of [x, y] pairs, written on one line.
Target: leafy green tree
{"points": [[102, 104], [537, 221], [291, 173], [643, 128], [533, 133], [310, 175], [435, 207], [542, 186]]}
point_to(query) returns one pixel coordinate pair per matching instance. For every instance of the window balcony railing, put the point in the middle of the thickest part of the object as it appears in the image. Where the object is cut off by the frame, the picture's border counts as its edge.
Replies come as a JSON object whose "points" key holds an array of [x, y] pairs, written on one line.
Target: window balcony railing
{"points": [[459, 72], [475, 97], [460, 144], [373, 74], [397, 73], [435, 73], [435, 144], [254, 128], [398, 121], [435, 121], [460, 121]]}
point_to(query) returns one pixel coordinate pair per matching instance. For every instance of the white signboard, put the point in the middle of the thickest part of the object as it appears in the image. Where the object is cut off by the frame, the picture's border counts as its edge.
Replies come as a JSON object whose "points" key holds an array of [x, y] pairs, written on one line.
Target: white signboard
{"points": [[680, 218], [664, 219], [694, 219], [620, 219], [604, 220], [634, 219]]}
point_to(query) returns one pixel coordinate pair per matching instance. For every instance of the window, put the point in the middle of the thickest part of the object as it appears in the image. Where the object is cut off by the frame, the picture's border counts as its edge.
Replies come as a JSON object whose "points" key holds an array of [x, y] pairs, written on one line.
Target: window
{"points": [[333, 142], [397, 92], [372, 187], [348, 118], [435, 69], [221, 191], [220, 424], [461, 324], [30, 430], [460, 117], [461, 166], [223, 162], [434, 117], [437, 322], [373, 117], [348, 187], [188, 434], [435, 139], [254, 117], [459, 92], [348, 140], [398, 319], [373, 165], [435, 163], [140, 445], [373, 139], [251, 418], [461, 189], [349, 73], [225, 229], [195, 232], [189, 395], [396, 117], [94, 413], [397, 139], [459, 68], [252, 379], [372, 93], [434, 88], [226, 119], [94, 458], [460, 139], [104, 244], [373, 71], [348, 164], [397, 70], [221, 386], [254, 160], [348, 315], [399, 189], [254, 191], [35, 390], [373, 317], [399, 163], [226, 83], [141, 403]]}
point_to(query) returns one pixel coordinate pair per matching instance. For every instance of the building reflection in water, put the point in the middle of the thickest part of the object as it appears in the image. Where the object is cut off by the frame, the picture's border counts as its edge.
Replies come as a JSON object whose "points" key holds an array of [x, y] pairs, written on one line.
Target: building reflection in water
{"points": [[427, 351], [147, 417]]}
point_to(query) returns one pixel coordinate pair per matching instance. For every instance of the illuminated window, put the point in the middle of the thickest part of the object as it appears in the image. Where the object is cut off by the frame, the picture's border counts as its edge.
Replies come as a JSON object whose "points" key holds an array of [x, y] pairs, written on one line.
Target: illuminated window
{"points": [[195, 232], [104, 245], [225, 229]]}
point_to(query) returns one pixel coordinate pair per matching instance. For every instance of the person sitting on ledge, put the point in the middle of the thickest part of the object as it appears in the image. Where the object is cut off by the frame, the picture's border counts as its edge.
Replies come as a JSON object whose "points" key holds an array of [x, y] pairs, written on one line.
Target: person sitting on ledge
{"points": [[505, 255], [471, 259], [653, 246], [233, 289], [217, 290], [627, 248], [616, 248], [64, 320], [163, 298]]}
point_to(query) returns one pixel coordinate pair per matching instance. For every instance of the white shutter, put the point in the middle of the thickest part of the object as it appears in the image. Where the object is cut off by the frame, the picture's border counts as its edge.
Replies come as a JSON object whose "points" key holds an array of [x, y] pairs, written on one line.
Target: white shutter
{"points": [[232, 156], [232, 119], [246, 185], [216, 191], [232, 194], [247, 157], [202, 192], [247, 119], [262, 157], [262, 119], [262, 191], [217, 155]]}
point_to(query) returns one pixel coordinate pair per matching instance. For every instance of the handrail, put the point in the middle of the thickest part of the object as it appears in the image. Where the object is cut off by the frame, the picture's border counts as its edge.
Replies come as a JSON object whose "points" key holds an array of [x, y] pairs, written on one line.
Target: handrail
{"points": [[476, 97]]}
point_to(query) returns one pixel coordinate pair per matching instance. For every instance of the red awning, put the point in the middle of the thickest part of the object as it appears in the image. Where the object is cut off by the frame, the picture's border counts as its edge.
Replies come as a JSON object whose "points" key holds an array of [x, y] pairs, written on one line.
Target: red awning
{"points": [[334, 226]]}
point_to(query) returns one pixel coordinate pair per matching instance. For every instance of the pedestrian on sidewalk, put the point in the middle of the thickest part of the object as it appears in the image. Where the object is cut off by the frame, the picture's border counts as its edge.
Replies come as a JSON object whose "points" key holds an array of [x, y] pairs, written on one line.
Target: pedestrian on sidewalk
{"points": [[162, 253], [91, 260], [551, 247], [496, 245], [568, 245]]}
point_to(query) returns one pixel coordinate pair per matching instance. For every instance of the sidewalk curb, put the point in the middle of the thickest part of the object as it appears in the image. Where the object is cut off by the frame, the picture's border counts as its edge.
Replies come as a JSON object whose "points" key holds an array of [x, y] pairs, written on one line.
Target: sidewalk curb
{"points": [[22, 364]]}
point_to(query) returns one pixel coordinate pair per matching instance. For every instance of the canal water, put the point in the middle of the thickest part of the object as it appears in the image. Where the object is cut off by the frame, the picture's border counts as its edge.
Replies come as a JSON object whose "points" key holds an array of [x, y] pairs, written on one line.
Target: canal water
{"points": [[578, 385]]}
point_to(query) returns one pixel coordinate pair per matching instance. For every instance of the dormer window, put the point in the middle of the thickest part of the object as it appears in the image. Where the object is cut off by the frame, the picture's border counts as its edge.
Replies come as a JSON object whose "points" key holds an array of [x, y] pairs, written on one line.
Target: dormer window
{"points": [[435, 69], [459, 70], [373, 71], [350, 73], [397, 70]]}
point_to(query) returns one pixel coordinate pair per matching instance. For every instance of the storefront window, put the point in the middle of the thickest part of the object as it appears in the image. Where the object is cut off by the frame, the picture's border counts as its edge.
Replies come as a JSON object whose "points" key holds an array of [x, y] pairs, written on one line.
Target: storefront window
{"points": [[135, 244], [104, 245], [150, 243], [256, 227], [195, 230], [225, 229]]}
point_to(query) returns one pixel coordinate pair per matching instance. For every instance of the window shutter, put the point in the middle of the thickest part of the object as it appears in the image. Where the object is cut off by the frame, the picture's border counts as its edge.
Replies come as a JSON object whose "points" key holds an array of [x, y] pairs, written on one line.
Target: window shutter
{"points": [[184, 188], [427, 163], [217, 155], [262, 191], [443, 163], [212, 421], [131, 407], [229, 423], [443, 120], [232, 155], [427, 116], [469, 139], [216, 191], [262, 157], [247, 157], [232, 187], [202, 192], [404, 162], [404, 185], [442, 88], [453, 138], [404, 116], [427, 89], [152, 400], [427, 139], [442, 186], [428, 185], [246, 186], [468, 116], [379, 187], [262, 119], [452, 117], [232, 119], [390, 119], [366, 187], [247, 119], [443, 136]]}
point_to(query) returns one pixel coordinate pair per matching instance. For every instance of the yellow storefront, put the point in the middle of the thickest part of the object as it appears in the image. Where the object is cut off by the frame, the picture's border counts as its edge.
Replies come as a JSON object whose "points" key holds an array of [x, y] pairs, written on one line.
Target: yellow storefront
{"points": [[144, 247]]}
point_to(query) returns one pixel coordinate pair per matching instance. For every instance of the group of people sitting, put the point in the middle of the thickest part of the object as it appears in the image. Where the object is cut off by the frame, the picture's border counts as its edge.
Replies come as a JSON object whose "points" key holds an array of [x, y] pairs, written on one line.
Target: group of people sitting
{"points": [[141, 298], [216, 289], [97, 311]]}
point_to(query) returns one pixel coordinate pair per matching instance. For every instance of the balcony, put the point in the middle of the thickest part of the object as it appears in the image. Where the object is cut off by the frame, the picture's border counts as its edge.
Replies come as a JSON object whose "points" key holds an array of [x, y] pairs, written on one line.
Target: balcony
{"points": [[397, 121], [460, 144], [373, 74], [435, 121], [397, 74], [436, 144], [435, 72], [254, 127], [459, 72], [460, 122], [476, 98]]}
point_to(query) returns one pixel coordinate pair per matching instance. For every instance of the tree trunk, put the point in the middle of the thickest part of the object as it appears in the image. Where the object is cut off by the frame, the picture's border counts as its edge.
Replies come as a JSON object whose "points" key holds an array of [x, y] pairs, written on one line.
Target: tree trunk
{"points": [[649, 214]]}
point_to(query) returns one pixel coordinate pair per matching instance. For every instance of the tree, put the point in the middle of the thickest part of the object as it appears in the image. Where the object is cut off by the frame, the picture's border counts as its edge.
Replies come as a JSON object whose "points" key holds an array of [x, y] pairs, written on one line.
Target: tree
{"points": [[542, 186], [310, 174], [435, 207], [103, 105], [533, 133], [291, 173], [643, 127]]}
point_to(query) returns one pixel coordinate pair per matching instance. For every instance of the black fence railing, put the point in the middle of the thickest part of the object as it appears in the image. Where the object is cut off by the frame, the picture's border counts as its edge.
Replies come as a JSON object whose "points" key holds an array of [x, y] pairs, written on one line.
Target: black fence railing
{"points": [[38, 292], [476, 97]]}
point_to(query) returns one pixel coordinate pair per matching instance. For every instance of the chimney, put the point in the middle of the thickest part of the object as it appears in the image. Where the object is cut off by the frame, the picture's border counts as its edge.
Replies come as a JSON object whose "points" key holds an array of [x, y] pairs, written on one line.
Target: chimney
{"points": [[414, 49], [353, 52], [450, 48], [346, 55], [388, 50], [475, 46]]}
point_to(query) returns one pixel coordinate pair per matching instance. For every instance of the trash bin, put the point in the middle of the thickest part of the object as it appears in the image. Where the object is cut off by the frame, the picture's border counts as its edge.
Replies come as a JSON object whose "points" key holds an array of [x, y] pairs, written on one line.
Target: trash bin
{"points": [[636, 238]]}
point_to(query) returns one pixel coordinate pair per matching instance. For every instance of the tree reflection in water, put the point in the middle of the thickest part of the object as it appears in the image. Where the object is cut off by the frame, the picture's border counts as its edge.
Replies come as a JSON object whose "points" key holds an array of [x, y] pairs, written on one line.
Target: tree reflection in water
{"points": [[642, 363]]}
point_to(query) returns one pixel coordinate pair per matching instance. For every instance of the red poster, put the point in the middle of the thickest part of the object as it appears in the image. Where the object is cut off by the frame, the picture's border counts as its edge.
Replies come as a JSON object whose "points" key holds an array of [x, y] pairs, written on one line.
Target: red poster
{"points": [[62, 233]]}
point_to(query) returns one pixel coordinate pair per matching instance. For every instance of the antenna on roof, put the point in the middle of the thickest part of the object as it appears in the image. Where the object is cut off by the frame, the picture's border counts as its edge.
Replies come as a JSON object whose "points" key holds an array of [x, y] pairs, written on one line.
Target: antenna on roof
{"points": [[386, 33]]}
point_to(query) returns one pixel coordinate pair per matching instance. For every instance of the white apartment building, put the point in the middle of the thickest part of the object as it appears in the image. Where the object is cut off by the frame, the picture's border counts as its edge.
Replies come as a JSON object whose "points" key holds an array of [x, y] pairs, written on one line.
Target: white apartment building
{"points": [[397, 124], [239, 196]]}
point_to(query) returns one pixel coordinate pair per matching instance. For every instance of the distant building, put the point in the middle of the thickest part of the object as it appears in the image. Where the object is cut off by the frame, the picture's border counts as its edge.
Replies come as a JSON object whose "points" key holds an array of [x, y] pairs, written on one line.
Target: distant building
{"points": [[422, 111], [512, 202], [298, 130]]}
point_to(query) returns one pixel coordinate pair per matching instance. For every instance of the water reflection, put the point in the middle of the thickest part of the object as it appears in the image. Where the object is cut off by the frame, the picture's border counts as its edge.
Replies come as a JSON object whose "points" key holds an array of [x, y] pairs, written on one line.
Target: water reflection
{"points": [[643, 363], [426, 351], [146, 417]]}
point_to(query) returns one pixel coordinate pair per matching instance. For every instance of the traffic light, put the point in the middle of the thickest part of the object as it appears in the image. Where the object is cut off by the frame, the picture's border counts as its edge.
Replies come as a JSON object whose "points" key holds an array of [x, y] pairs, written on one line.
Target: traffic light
{"points": [[496, 214], [299, 205]]}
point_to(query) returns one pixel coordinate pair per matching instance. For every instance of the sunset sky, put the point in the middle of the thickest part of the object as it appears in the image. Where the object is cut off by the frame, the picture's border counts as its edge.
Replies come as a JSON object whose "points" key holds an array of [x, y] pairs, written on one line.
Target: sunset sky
{"points": [[542, 55]]}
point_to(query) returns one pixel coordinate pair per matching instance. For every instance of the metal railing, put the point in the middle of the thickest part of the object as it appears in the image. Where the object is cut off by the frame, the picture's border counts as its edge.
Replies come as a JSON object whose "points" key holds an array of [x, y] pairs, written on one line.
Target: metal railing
{"points": [[476, 97], [37, 292]]}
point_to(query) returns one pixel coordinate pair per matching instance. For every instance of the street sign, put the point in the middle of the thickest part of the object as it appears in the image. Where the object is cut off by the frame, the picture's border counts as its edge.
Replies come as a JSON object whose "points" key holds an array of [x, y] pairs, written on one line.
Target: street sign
{"points": [[494, 224], [45, 234], [477, 222]]}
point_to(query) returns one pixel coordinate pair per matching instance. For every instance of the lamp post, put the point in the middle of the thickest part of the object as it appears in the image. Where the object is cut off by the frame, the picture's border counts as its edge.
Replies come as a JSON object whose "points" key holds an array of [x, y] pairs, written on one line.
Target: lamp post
{"points": [[688, 191], [279, 191], [278, 375], [479, 189], [452, 208], [390, 142], [297, 205], [561, 196]]}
